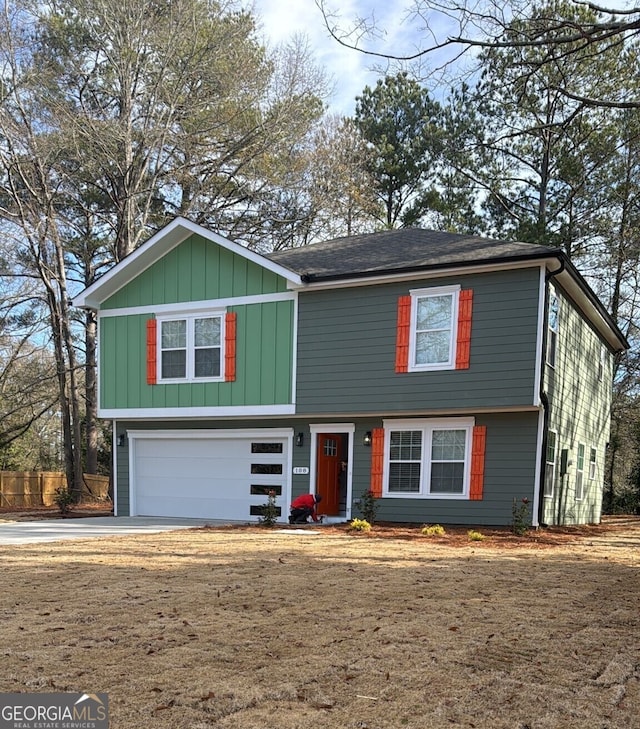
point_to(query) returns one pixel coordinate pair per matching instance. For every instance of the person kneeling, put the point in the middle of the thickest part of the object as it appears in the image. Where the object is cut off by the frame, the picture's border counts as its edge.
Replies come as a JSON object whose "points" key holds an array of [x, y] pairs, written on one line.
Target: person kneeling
{"points": [[304, 507]]}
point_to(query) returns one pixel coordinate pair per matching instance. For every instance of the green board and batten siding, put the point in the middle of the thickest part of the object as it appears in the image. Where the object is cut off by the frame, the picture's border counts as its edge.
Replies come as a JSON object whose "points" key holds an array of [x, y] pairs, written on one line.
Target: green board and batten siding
{"points": [[198, 270], [346, 349]]}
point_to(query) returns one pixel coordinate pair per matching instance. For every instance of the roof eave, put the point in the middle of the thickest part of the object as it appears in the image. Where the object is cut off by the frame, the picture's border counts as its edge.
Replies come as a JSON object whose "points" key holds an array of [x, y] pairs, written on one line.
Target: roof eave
{"points": [[308, 278]]}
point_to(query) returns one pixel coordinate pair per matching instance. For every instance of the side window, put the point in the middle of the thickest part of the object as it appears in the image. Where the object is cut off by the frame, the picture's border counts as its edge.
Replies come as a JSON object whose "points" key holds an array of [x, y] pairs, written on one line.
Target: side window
{"points": [[579, 494], [601, 364], [190, 348], [550, 467], [433, 328], [552, 324], [592, 464]]}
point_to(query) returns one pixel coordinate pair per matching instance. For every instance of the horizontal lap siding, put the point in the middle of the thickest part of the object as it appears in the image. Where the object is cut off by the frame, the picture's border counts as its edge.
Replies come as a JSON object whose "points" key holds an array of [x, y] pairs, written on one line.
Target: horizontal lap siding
{"points": [[347, 340], [510, 468], [580, 413]]}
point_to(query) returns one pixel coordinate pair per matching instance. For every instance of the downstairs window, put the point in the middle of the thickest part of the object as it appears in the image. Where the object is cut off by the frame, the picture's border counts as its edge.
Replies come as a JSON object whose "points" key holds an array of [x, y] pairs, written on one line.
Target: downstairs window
{"points": [[429, 459]]}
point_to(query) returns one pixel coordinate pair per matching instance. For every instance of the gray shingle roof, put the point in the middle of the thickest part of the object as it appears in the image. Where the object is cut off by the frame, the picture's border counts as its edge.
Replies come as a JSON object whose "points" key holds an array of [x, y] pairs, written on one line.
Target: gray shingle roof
{"points": [[395, 251]]}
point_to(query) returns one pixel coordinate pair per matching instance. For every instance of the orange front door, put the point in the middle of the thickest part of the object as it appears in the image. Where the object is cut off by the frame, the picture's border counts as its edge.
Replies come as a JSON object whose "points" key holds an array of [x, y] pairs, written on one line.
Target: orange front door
{"points": [[328, 481]]}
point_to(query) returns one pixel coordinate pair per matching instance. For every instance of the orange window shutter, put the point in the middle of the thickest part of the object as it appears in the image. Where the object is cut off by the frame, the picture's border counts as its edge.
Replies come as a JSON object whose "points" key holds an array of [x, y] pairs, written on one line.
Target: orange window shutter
{"points": [[152, 351], [403, 333], [478, 445], [377, 461], [463, 348], [230, 347]]}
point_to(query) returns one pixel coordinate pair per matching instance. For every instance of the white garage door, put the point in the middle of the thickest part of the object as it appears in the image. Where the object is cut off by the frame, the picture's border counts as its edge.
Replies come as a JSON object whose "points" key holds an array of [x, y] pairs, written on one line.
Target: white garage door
{"points": [[206, 477]]}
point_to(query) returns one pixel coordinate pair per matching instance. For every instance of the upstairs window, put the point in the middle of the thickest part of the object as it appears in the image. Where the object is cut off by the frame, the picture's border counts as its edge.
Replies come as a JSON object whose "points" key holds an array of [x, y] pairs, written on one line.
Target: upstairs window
{"points": [[552, 327], [592, 464], [601, 364], [190, 348], [434, 314]]}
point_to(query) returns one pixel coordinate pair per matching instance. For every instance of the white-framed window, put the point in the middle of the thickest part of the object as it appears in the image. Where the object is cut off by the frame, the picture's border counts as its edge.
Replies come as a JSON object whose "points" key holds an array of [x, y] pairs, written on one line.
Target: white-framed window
{"points": [[190, 347], [428, 458], [592, 463], [552, 327], [434, 318], [550, 464], [579, 494]]}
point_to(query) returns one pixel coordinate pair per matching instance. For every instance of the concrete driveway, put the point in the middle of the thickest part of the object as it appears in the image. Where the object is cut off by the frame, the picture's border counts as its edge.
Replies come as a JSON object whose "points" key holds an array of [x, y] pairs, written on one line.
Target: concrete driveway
{"points": [[53, 530]]}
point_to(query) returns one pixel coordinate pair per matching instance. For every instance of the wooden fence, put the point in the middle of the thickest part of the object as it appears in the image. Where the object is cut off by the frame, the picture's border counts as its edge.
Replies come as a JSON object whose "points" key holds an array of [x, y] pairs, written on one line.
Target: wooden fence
{"points": [[38, 488]]}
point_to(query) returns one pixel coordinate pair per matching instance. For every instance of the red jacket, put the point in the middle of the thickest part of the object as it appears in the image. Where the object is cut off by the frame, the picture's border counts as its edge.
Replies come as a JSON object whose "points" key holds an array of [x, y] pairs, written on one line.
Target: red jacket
{"points": [[306, 501]]}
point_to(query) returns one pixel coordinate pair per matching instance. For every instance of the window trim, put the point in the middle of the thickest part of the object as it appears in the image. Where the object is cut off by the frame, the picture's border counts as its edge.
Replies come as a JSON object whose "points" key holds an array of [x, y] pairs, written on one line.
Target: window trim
{"points": [[416, 294], [427, 426], [190, 317]]}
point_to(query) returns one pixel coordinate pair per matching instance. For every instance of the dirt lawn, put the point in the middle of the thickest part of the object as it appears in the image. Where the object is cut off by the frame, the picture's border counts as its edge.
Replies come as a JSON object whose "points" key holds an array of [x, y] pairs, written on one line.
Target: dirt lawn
{"points": [[250, 628]]}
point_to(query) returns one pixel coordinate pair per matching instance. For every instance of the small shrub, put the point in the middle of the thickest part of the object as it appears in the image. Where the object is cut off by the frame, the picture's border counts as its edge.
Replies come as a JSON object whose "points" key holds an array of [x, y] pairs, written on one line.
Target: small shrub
{"points": [[269, 511], [368, 506], [360, 525], [475, 536], [64, 500], [435, 530], [520, 520]]}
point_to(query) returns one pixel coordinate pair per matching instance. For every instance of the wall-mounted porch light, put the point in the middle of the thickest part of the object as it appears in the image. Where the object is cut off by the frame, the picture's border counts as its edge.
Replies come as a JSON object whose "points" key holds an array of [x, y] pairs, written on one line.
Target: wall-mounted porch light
{"points": [[300, 440], [121, 440], [366, 440]]}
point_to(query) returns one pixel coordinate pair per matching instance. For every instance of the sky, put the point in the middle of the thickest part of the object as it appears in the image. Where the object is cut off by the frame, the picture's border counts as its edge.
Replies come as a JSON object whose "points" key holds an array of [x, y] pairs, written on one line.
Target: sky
{"points": [[350, 70]]}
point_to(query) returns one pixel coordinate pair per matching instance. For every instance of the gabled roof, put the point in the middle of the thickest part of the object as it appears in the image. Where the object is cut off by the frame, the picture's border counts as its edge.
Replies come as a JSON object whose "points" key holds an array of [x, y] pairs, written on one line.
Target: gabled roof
{"points": [[396, 251], [159, 245], [374, 255]]}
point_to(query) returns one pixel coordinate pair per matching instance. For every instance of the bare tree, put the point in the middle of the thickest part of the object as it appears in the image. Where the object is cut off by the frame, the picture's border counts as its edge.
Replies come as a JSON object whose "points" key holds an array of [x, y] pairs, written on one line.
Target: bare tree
{"points": [[446, 33], [117, 116]]}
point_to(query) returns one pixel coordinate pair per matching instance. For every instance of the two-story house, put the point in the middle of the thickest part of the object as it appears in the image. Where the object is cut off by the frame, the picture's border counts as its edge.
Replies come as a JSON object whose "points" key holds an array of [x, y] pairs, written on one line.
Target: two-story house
{"points": [[449, 374]]}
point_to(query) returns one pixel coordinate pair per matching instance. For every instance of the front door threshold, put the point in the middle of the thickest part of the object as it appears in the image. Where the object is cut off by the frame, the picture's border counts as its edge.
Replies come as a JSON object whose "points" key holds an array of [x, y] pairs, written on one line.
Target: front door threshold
{"points": [[335, 520]]}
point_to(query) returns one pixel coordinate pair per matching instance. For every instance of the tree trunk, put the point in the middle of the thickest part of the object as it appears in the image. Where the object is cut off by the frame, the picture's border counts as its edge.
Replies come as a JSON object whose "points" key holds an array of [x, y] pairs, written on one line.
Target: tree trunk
{"points": [[91, 403]]}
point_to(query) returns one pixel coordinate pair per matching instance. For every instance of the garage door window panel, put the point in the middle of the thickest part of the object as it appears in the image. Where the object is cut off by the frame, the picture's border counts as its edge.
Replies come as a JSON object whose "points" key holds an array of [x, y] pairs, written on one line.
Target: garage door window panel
{"points": [[266, 468], [263, 490], [266, 447]]}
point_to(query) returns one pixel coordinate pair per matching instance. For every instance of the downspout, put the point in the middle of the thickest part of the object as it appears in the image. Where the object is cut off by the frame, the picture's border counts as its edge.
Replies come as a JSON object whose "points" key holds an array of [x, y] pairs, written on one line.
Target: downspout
{"points": [[544, 399]]}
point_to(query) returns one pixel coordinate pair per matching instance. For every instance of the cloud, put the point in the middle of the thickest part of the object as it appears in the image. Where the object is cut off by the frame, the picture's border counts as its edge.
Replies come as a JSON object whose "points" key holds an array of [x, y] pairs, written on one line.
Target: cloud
{"points": [[349, 70]]}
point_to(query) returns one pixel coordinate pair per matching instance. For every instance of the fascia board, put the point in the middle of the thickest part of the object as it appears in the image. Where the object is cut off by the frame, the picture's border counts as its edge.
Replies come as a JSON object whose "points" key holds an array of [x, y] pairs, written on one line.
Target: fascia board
{"points": [[159, 245]]}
